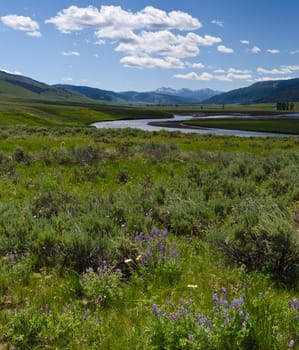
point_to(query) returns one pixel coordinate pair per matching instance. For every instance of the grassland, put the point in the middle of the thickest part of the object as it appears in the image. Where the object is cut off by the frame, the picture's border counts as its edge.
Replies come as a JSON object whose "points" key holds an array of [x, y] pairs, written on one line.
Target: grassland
{"points": [[278, 125], [124, 239]]}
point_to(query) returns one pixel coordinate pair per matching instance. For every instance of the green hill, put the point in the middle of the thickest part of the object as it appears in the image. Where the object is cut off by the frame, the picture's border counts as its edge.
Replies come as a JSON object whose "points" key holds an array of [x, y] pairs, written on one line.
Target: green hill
{"points": [[261, 92], [21, 87]]}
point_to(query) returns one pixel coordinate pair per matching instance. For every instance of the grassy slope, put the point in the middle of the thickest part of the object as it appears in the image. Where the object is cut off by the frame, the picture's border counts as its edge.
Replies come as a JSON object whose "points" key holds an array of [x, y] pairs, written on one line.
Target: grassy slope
{"points": [[51, 113], [283, 125]]}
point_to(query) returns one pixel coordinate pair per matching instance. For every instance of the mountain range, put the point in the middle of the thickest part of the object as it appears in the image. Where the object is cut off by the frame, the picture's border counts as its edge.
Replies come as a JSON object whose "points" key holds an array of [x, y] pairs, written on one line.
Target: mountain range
{"points": [[162, 96], [13, 86]]}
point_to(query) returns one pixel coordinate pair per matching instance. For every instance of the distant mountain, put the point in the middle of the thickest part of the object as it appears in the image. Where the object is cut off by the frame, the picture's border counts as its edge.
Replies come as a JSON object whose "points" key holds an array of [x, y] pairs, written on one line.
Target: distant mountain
{"points": [[198, 95], [261, 92], [19, 86], [165, 96]]}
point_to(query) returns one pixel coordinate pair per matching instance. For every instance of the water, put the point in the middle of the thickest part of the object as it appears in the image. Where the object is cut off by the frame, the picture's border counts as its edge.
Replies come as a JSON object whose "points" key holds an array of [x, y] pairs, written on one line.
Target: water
{"points": [[144, 124]]}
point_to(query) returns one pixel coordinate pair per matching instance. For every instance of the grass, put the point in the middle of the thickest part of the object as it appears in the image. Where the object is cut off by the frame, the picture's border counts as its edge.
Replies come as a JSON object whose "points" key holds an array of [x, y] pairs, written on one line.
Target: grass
{"points": [[97, 226], [54, 113], [281, 125], [121, 239]]}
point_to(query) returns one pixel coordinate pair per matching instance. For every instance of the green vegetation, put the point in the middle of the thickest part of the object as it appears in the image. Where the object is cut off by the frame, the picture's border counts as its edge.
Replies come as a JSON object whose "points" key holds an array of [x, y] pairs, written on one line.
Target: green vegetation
{"points": [[55, 113], [124, 239], [279, 125]]}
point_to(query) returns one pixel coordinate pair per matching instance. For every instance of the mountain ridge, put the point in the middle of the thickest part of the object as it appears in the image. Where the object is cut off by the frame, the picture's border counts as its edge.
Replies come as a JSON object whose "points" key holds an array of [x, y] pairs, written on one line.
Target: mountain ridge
{"points": [[260, 92], [22, 87]]}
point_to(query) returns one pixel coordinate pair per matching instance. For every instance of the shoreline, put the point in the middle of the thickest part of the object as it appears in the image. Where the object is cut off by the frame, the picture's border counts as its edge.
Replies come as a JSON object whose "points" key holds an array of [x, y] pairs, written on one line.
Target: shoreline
{"points": [[206, 116]]}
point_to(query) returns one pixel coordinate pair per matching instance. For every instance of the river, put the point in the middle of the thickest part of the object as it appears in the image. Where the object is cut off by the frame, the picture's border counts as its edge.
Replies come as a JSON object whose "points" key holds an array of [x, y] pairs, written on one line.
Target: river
{"points": [[146, 124]]}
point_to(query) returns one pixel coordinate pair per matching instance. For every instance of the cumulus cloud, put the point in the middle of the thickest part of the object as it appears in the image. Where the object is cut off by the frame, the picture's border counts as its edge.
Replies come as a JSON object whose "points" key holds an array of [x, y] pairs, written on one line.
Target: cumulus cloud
{"points": [[272, 79], [230, 76], [148, 38], [218, 23], [71, 53], [273, 51], [224, 49], [278, 71], [239, 71], [198, 65], [255, 49], [245, 42], [151, 62], [166, 43], [77, 18], [22, 23], [195, 76]]}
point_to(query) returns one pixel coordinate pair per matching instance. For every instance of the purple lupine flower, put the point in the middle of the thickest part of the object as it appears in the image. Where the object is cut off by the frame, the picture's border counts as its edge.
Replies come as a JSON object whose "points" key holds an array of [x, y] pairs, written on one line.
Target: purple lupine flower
{"points": [[164, 233], [173, 316], [157, 312], [291, 343], [215, 298], [190, 336], [224, 292], [244, 324], [294, 304], [237, 302]]}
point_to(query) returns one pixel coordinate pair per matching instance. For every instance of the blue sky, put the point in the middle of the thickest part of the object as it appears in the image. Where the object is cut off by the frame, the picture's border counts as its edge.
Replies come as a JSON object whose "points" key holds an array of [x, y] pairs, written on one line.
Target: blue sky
{"points": [[144, 45]]}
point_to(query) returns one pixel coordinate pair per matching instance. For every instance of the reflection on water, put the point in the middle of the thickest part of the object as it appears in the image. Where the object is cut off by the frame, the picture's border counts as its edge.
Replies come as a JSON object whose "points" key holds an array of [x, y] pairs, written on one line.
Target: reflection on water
{"points": [[143, 124]]}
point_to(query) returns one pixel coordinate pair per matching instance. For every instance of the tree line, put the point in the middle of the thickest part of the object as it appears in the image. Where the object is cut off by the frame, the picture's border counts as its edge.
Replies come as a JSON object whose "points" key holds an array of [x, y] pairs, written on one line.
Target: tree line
{"points": [[285, 106]]}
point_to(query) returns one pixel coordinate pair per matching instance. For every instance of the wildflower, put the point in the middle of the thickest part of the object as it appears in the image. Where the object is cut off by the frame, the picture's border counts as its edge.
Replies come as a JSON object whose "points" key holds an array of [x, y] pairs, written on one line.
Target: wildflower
{"points": [[291, 343], [224, 292], [215, 298], [294, 304], [157, 312], [237, 302], [128, 261], [192, 286]]}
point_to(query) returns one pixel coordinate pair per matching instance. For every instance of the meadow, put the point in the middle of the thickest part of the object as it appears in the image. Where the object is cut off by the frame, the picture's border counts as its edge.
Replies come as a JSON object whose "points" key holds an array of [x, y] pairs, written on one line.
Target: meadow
{"points": [[265, 124], [124, 239]]}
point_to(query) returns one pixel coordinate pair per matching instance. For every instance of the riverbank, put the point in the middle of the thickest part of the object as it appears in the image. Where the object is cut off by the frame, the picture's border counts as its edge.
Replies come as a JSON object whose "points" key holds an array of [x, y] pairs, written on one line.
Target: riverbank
{"points": [[277, 124]]}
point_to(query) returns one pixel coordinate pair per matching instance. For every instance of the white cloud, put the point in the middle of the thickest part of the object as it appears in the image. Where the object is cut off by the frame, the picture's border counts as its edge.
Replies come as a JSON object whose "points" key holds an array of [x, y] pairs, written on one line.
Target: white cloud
{"points": [[224, 49], [195, 65], [294, 52], [273, 51], [71, 53], [239, 71], [11, 72], [220, 70], [218, 23], [24, 24], [140, 35], [165, 43], [207, 76], [278, 71], [272, 79], [100, 42], [245, 42], [35, 34], [77, 18], [151, 62], [255, 49], [195, 76]]}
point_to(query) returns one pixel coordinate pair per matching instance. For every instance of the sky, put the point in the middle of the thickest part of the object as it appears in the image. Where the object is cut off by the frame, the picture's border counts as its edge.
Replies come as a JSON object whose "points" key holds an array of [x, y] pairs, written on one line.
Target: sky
{"points": [[144, 45]]}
